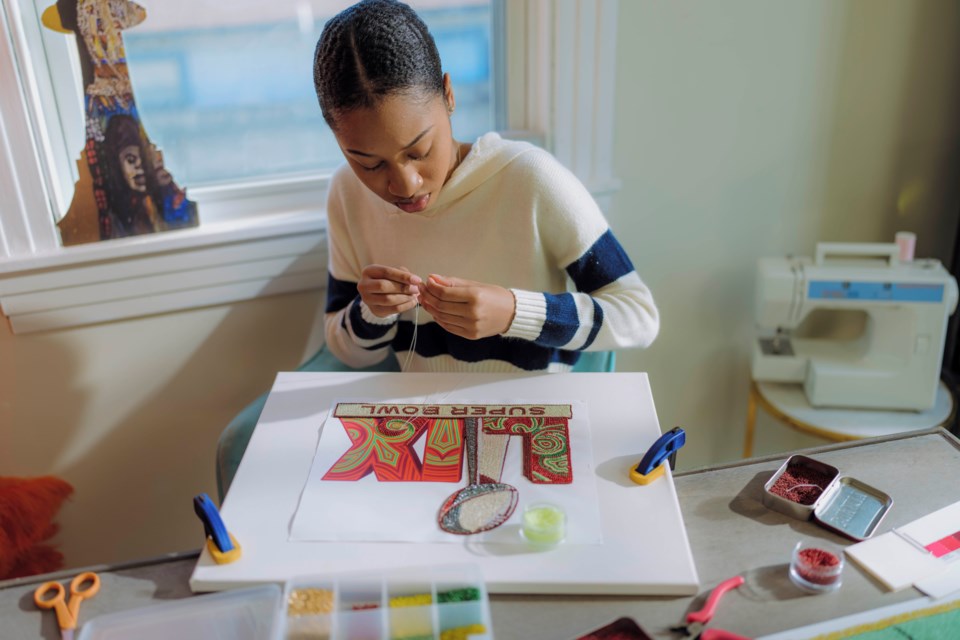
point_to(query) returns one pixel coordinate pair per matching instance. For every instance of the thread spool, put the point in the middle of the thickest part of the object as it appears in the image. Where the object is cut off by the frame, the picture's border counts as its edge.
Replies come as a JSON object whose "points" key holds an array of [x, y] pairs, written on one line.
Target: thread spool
{"points": [[907, 241]]}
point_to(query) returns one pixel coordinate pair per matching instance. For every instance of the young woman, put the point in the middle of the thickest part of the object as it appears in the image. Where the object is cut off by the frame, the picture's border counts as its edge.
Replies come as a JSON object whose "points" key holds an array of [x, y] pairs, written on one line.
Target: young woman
{"points": [[488, 256]]}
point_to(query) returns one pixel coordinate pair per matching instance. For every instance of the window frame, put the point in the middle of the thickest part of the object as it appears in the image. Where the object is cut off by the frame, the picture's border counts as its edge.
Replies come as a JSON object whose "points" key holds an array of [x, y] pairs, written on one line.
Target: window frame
{"points": [[261, 238]]}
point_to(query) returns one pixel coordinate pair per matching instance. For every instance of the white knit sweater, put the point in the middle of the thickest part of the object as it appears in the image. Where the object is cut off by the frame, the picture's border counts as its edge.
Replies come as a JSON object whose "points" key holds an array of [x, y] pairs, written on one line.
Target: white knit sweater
{"points": [[510, 215]]}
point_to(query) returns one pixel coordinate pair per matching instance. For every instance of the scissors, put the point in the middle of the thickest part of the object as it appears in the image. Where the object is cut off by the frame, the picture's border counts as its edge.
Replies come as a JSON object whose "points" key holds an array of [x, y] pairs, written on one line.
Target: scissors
{"points": [[67, 612]]}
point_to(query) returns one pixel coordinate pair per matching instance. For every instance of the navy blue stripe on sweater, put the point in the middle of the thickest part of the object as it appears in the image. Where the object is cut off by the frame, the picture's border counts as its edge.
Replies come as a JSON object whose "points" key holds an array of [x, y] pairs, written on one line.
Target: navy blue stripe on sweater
{"points": [[340, 293], [601, 264], [562, 320], [433, 340], [597, 323], [363, 329]]}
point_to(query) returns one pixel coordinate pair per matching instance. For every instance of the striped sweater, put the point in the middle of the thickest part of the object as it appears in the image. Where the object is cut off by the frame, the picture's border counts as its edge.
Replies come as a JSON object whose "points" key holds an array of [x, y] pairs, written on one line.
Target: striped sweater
{"points": [[510, 215]]}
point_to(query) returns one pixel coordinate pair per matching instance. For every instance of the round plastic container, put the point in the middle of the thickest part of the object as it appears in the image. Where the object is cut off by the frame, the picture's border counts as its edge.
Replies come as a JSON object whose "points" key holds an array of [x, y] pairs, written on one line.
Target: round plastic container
{"points": [[544, 524], [817, 566]]}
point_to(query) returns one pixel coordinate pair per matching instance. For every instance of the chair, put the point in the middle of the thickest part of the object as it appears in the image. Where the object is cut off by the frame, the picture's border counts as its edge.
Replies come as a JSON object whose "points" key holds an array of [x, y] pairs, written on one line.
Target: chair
{"points": [[235, 437]]}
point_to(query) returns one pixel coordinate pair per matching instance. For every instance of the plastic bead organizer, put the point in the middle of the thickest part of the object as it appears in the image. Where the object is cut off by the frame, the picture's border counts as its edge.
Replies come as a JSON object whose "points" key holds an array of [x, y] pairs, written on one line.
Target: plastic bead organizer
{"points": [[447, 602]]}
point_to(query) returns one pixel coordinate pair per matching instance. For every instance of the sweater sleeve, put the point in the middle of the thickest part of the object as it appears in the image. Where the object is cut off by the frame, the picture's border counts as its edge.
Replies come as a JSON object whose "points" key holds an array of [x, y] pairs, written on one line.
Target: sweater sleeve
{"points": [[353, 333], [611, 307]]}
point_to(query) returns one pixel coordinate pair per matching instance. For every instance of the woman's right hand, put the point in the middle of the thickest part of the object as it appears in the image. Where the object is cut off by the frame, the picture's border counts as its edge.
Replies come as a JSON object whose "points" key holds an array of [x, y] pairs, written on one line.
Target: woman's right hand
{"points": [[388, 290]]}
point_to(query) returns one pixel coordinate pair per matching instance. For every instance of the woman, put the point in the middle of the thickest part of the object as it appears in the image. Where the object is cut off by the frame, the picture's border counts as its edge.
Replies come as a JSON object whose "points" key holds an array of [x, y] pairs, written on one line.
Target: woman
{"points": [[488, 256]]}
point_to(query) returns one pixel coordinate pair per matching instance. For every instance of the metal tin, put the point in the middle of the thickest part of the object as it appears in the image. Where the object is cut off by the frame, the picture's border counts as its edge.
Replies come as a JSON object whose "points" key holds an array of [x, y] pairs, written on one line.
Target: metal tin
{"points": [[846, 505], [852, 508], [797, 464]]}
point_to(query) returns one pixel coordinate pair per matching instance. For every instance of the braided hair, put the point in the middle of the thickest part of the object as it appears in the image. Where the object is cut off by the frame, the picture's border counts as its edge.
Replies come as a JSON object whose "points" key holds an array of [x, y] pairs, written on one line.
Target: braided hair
{"points": [[371, 50]]}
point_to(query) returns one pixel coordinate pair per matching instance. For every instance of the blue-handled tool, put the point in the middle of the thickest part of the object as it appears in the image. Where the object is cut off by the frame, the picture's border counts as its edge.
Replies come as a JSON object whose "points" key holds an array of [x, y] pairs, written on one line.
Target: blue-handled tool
{"points": [[223, 547], [651, 466]]}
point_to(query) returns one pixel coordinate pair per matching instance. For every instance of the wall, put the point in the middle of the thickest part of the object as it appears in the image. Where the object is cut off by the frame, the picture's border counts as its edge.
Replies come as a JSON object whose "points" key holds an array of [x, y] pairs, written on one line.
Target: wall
{"points": [[745, 128], [751, 128], [129, 413]]}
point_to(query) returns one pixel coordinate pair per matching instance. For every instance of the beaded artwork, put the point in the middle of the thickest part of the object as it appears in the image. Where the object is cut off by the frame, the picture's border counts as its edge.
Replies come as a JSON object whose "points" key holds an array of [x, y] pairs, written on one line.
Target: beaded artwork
{"points": [[478, 507], [546, 446], [384, 446], [420, 472], [493, 454], [383, 439]]}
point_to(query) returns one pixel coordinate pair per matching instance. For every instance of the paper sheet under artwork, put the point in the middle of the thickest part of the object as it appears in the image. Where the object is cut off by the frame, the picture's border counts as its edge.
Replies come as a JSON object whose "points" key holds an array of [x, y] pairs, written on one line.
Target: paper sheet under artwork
{"points": [[382, 470]]}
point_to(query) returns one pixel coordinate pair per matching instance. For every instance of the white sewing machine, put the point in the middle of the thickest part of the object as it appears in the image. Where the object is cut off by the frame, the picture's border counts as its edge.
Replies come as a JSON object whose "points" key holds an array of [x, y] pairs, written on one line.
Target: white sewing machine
{"points": [[856, 326]]}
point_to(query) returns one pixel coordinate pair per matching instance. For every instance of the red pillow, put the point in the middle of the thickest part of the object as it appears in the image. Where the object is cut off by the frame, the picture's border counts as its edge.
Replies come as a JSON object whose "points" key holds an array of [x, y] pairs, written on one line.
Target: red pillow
{"points": [[27, 509]]}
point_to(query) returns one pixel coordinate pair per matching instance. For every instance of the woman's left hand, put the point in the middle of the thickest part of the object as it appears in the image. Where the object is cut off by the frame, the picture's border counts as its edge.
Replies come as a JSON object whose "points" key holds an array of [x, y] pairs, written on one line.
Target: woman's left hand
{"points": [[469, 309]]}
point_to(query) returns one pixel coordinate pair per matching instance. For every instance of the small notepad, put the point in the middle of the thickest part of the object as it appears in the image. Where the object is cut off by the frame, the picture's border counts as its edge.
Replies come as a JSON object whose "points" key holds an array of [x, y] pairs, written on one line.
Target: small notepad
{"points": [[913, 553]]}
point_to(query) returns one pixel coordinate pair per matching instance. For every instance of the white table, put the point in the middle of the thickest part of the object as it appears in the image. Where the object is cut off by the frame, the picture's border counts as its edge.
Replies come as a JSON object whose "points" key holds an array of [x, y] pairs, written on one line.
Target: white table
{"points": [[788, 403], [645, 549]]}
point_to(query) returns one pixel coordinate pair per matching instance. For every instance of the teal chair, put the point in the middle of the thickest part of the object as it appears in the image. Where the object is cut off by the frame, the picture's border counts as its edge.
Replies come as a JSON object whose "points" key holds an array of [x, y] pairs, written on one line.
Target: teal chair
{"points": [[234, 438]]}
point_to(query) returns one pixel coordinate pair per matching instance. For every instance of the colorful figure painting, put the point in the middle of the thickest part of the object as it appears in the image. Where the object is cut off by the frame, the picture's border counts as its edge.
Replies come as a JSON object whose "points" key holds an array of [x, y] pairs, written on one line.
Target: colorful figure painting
{"points": [[124, 188], [435, 472]]}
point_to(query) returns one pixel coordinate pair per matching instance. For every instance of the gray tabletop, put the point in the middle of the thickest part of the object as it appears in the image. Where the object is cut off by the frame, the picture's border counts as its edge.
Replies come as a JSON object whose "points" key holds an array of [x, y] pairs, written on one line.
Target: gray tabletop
{"points": [[731, 533]]}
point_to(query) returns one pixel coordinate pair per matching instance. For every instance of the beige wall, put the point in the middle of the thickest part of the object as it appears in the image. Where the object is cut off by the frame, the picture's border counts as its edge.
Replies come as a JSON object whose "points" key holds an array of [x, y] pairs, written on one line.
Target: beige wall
{"points": [[744, 128], [129, 413], [751, 128]]}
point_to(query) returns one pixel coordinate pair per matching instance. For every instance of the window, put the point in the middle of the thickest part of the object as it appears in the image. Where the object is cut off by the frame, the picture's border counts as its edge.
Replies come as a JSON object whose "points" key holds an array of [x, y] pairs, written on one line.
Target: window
{"points": [[227, 96], [232, 99], [257, 163]]}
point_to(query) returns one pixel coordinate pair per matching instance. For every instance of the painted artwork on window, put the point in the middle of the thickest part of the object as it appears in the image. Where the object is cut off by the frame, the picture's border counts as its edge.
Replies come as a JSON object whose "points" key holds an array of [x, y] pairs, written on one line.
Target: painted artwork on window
{"points": [[123, 187], [416, 472]]}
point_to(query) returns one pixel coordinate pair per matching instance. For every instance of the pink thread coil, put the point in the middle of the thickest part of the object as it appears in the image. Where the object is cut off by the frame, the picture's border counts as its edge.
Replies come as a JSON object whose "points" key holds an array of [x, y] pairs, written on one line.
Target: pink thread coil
{"points": [[907, 241]]}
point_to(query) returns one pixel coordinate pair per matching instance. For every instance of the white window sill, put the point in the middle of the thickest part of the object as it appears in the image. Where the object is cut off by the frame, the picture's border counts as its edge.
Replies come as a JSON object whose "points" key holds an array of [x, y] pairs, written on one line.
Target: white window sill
{"points": [[213, 264]]}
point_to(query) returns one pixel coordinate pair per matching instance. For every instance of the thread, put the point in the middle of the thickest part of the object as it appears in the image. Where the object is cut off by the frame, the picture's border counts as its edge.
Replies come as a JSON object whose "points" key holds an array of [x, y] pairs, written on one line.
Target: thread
{"points": [[798, 486], [907, 241], [404, 366], [413, 341]]}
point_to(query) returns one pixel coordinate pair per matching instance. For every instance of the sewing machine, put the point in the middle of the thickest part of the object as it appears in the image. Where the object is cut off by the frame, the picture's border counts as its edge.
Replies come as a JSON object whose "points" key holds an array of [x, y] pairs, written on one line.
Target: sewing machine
{"points": [[856, 326]]}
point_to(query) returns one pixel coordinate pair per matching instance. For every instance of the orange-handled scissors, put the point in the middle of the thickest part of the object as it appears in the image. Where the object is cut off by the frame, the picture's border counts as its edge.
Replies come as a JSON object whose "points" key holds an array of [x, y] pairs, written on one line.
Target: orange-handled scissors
{"points": [[51, 595]]}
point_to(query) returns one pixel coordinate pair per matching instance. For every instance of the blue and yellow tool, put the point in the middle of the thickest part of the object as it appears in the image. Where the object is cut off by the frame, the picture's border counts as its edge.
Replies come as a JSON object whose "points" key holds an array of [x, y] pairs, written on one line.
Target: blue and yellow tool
{"points": [[651, 466], [221, 544]]}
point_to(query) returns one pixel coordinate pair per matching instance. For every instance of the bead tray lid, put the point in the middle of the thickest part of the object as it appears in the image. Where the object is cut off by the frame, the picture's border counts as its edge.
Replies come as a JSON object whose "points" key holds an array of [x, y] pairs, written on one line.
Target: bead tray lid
{"points": [[242, 614], [852, 508]]}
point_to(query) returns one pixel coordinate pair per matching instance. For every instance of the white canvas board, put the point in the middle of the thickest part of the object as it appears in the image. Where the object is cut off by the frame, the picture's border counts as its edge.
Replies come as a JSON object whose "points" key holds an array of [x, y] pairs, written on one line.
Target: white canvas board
{"points": [[645, 549], [372, 510]]}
